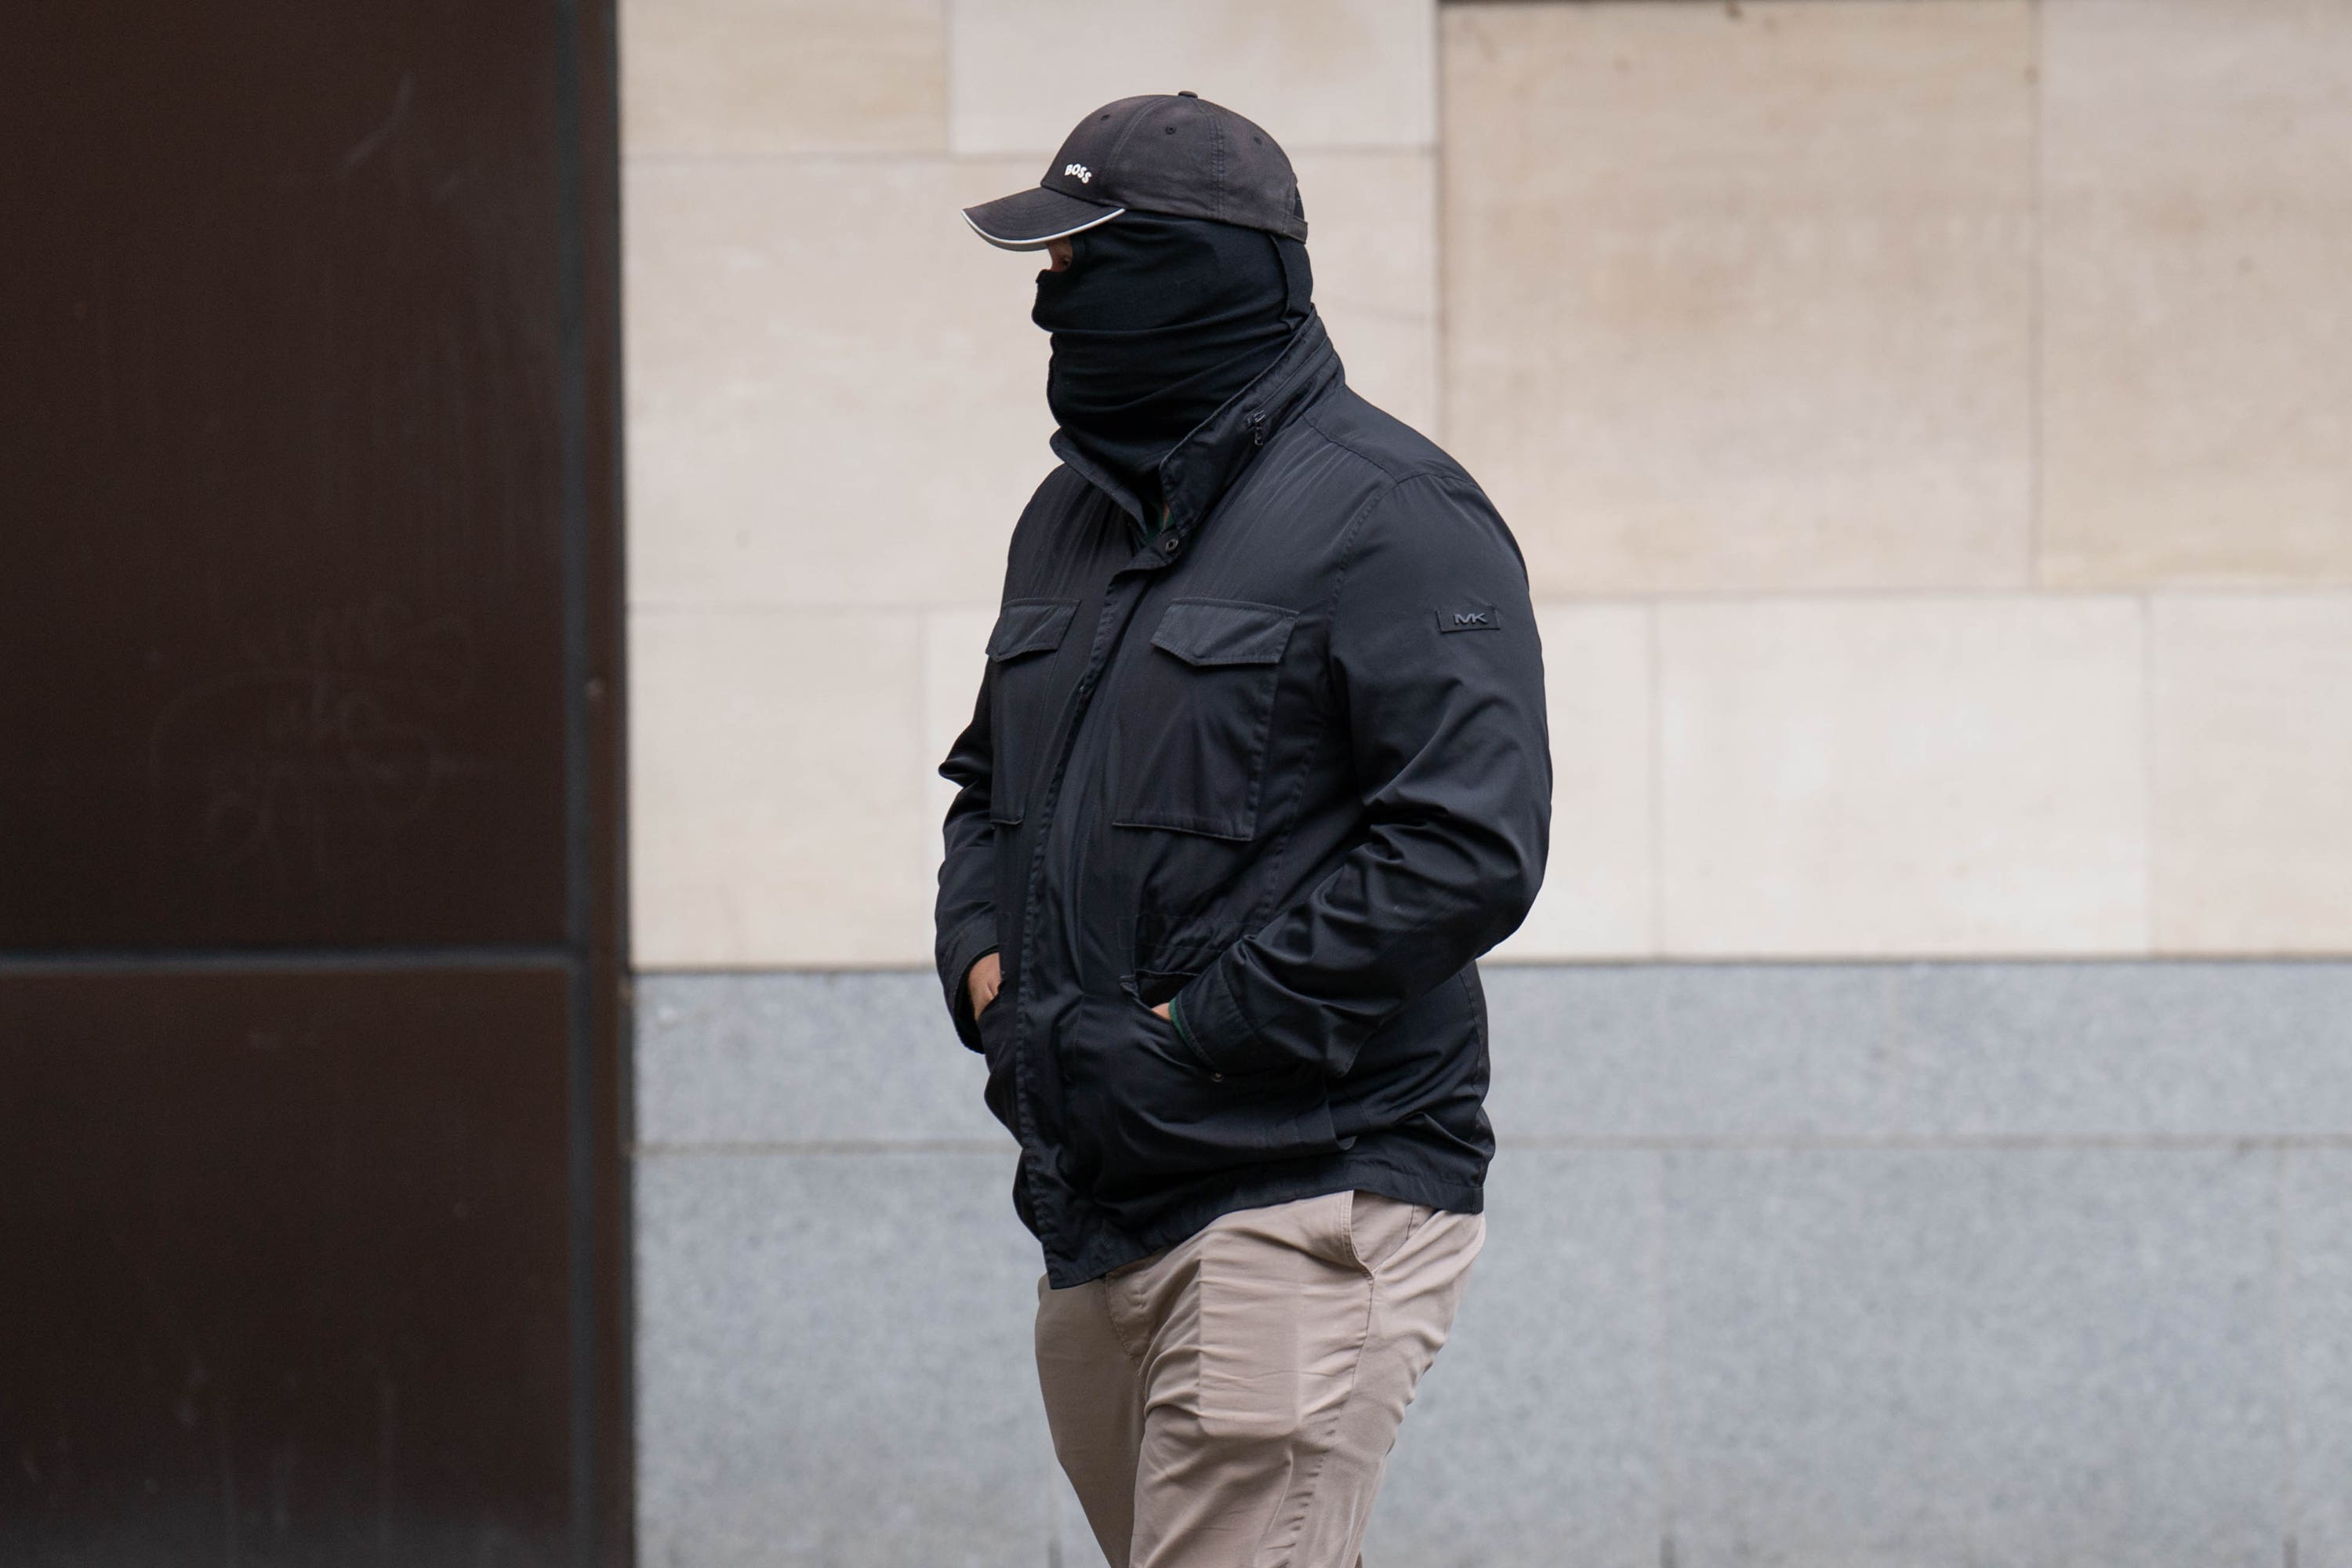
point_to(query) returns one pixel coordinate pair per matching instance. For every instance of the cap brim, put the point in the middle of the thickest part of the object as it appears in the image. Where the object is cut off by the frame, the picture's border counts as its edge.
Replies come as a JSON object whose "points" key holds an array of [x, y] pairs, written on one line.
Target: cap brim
{"points": [[1034, 219]]}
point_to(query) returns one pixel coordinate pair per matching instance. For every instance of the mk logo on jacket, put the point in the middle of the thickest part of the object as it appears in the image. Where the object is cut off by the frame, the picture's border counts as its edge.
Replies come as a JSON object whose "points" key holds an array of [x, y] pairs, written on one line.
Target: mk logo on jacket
{"points": [[1476, 618]]}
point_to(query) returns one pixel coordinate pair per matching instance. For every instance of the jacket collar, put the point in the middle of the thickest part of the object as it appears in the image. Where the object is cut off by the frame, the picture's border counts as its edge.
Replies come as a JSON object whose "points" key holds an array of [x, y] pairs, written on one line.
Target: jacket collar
{"points": [[1205, 463]]}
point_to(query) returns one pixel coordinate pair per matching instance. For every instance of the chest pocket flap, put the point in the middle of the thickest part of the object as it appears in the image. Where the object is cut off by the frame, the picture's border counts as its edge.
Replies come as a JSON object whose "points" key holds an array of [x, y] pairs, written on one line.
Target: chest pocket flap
{"points": [[1028, 691], [1192, 729], [1030, 626], [1219, 631]]}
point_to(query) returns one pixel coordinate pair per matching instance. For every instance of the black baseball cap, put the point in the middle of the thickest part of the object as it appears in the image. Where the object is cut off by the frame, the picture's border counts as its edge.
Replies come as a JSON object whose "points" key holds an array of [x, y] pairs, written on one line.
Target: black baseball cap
{"points": [[1161, 153]]}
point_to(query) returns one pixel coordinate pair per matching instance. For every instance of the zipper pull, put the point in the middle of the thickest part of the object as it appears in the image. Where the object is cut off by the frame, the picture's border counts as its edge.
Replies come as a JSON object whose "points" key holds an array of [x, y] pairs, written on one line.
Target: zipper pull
{"points": [[1256, 422]]}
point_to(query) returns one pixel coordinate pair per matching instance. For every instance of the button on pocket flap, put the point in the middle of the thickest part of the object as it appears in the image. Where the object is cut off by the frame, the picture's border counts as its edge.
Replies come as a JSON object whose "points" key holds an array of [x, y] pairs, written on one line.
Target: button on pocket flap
{"points": [[1030, 626], [1224, 631]]}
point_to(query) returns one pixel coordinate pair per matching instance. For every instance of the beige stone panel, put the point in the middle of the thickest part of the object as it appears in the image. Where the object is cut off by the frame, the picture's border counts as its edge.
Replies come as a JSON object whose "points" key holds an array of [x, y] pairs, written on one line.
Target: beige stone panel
{"points": [[2196, 359], [1740, 297], [775, 784], [1392, 362], [836, 397], [1372, 237], [783, 76], [1884, 776], [2253, 772], [1316, 73], [1599, 897], [955, 657]]}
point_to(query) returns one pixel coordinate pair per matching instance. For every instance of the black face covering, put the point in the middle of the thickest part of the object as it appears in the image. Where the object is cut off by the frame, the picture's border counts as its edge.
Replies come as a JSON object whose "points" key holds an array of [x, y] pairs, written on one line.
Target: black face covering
{"points": [[1157, 322]]}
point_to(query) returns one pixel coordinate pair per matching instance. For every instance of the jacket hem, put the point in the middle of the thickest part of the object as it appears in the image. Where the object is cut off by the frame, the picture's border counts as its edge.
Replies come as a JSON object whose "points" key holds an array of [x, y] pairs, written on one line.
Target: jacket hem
{"points": [[1262, 1188]]}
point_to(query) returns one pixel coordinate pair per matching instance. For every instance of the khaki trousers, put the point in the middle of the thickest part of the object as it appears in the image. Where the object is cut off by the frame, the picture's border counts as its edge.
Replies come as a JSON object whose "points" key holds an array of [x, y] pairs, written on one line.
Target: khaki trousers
{"points": [[1230, 1403]]}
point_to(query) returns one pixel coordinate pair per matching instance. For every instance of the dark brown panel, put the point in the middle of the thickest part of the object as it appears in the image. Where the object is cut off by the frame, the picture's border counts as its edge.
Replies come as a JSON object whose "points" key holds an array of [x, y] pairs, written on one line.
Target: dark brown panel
{"points": [[285, 1269], [282, 622]]}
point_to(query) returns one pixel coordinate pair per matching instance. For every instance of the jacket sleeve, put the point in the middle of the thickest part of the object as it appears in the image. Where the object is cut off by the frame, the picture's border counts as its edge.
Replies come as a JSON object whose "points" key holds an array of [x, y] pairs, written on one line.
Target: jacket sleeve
{"points": [[1437, 678], [965, 917]]}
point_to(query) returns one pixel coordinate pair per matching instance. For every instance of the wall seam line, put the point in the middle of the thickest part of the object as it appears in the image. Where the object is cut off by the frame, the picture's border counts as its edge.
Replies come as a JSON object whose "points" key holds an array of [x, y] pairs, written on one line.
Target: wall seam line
{"points": [[2212, 1142], [2283, 1286], [2037, 71], [1653, 630], [2150, 723]]}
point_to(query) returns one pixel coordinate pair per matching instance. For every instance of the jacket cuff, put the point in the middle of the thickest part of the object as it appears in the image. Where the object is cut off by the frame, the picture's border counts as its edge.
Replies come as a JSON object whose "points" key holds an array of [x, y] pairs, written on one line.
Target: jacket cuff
{"points": [[1210, 1019], [959, 950], [1184, 1037]]}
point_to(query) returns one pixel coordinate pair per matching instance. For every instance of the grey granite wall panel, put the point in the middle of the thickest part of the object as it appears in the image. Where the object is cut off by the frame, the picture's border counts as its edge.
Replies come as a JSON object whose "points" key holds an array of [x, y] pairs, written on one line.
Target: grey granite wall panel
{"points": [[1723, 1050], [1922, 1050], [795, 1058], [1905, 1264], [2318, 1258], [834, 1363], [1914, 1358], [1538, 1434], [2128, 1050]]}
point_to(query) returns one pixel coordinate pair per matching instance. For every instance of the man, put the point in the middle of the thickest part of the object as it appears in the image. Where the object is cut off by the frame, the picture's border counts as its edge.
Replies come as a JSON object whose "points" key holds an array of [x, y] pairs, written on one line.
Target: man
{"points": [[1258, 769]]}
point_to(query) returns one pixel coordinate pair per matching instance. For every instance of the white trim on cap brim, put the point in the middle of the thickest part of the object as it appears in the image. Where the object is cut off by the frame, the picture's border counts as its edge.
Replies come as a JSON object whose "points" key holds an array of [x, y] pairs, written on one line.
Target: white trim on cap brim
{"points": [[1043, 239]]}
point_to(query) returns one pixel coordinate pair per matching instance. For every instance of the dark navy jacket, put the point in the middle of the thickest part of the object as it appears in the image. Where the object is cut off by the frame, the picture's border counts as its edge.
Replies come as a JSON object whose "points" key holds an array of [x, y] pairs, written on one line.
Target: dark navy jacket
{"points": [[1285, 764]]}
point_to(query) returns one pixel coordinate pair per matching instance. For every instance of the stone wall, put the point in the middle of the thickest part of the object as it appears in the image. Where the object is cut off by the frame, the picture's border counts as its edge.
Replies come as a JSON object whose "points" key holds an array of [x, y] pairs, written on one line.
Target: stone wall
{"points": [[1925, 1085]]}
